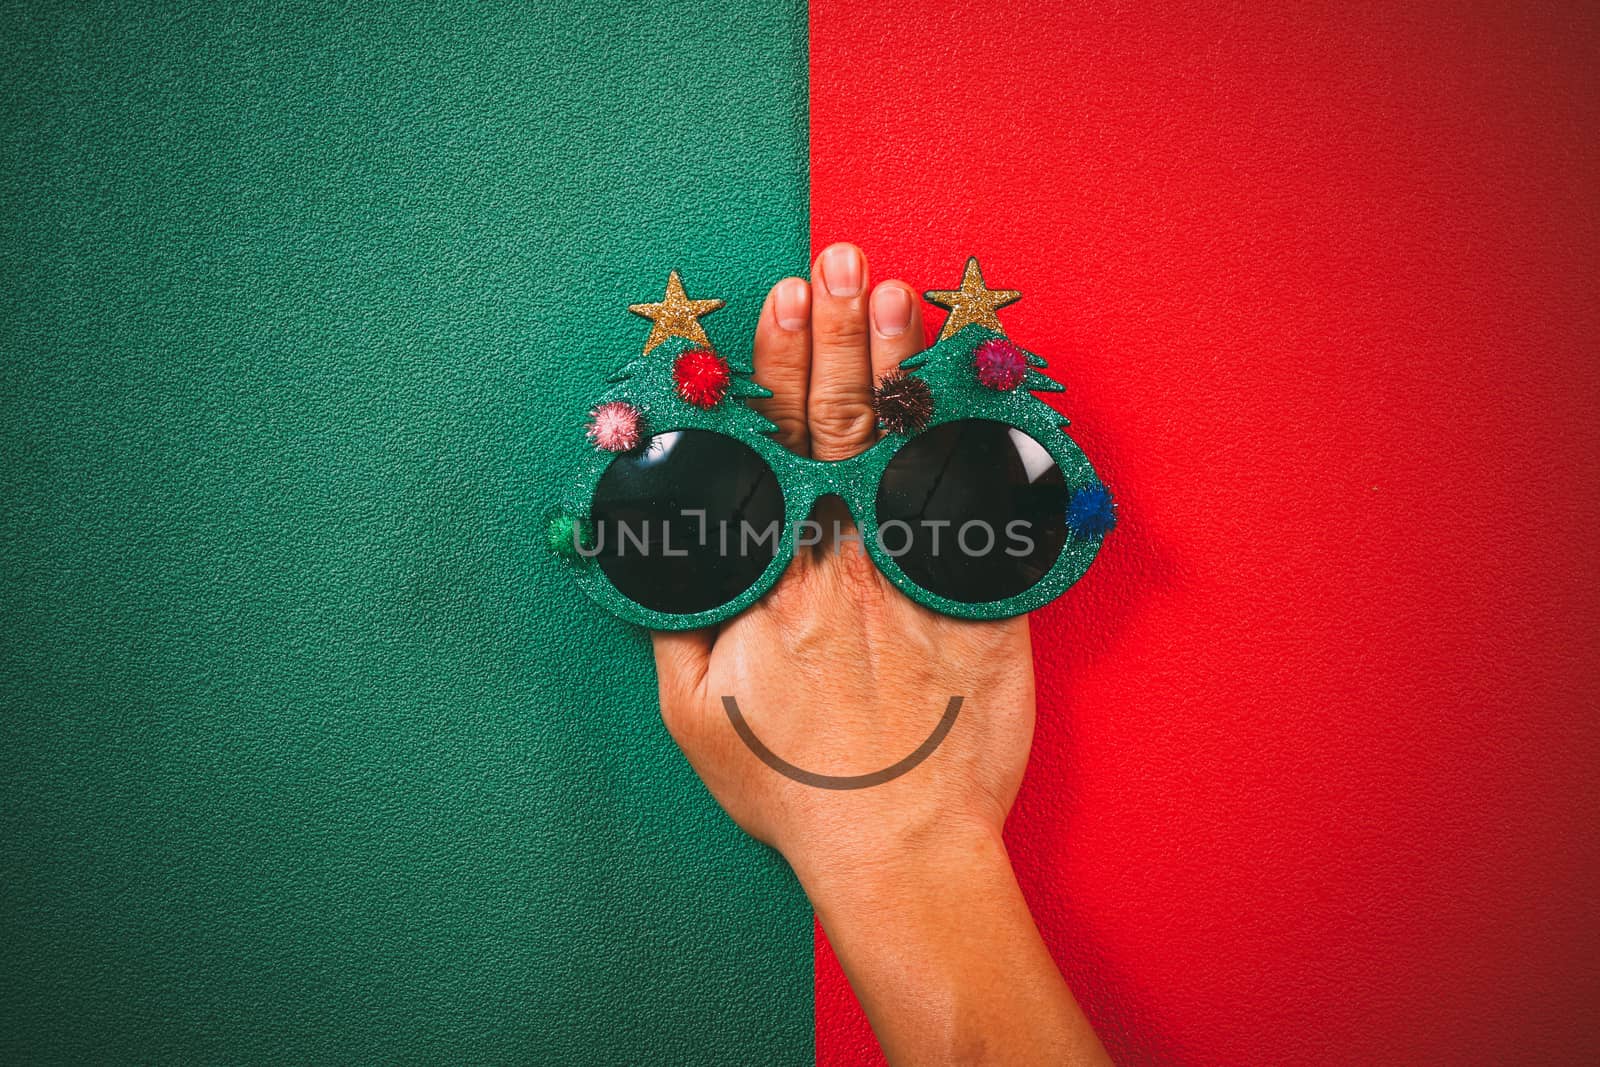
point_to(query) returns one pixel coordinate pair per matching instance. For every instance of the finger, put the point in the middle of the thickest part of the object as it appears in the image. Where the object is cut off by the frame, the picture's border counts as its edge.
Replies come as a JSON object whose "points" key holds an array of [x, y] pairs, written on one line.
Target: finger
{"points": [[839, 405], [783, 361], [896, 317], [682, 659]]}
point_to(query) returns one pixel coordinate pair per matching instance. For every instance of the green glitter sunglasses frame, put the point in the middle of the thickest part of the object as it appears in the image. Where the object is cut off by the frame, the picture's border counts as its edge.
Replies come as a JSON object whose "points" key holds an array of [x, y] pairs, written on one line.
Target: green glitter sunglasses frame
{"points": [[947, 368]]}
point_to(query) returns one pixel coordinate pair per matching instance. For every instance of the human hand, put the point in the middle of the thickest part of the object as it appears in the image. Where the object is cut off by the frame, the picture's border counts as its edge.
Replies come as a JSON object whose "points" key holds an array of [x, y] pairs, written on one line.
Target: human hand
{"points": [[835, 670], [838, 674]]}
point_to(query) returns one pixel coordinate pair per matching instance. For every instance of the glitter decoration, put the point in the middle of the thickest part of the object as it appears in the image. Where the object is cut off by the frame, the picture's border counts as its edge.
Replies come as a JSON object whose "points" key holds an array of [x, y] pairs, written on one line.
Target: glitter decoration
{"points": [[1001, 365], [904, 403], [615, 427], [702, 377], [682, 386], [675, 315], [1091, 512], [564, 534], [973, 303]]}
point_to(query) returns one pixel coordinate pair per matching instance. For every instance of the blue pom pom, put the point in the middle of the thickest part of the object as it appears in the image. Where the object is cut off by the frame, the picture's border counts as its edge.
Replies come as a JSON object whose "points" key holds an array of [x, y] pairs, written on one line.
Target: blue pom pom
{"points": [[1091, 512]]}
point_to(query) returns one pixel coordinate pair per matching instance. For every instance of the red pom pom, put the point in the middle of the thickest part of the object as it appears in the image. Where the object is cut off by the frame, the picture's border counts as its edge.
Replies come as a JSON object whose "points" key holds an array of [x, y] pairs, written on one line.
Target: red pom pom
{"points": [[614, 426], [1001, 364], [702, 377]]}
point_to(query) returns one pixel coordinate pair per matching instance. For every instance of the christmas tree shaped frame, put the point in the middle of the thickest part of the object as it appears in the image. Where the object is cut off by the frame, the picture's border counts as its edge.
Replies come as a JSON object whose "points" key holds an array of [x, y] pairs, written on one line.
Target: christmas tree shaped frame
{"points": [[652, 389]]}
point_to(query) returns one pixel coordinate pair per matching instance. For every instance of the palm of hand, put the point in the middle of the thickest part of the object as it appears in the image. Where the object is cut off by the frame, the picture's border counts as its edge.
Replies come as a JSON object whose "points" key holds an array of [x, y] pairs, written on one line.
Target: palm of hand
{"points": [[835, 670]]}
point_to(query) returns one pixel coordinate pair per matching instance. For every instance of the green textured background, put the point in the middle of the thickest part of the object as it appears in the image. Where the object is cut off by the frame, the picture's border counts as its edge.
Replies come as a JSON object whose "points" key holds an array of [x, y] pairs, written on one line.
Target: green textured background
{"points": [[310, 754]]}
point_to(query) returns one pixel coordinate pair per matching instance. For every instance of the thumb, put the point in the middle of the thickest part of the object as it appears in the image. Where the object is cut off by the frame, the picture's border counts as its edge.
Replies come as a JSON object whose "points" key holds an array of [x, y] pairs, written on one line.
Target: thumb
{"points": [[683, 657]]}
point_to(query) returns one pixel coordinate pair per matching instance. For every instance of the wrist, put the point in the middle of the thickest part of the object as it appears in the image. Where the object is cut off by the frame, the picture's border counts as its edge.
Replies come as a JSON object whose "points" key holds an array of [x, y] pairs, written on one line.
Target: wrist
{"points": [[901, 867], [937, 930]]}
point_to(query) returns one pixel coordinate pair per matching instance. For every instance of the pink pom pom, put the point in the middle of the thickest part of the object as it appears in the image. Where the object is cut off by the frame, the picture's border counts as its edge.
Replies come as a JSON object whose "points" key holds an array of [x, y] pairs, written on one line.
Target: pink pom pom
{"points": [[1001, 364], [614, 426]]}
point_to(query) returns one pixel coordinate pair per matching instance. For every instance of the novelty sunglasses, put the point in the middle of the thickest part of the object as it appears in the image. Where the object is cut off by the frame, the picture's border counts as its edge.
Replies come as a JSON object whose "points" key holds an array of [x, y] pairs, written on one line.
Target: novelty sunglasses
{"points": [[974, 502]]}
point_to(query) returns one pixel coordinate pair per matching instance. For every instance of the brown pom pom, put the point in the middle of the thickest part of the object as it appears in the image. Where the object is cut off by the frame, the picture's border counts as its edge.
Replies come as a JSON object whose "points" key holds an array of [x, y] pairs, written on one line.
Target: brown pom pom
{"points": [[904, 404]]}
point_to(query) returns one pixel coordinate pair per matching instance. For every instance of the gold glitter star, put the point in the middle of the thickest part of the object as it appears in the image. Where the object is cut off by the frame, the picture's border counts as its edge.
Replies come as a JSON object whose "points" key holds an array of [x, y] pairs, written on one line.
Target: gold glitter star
{"points": [[973, 303], [676, 315]]}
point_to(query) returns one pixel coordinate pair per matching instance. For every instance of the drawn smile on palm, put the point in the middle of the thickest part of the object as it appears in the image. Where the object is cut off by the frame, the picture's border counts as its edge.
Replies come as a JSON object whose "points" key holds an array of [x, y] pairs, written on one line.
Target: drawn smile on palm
{"points": [[841, 781]]}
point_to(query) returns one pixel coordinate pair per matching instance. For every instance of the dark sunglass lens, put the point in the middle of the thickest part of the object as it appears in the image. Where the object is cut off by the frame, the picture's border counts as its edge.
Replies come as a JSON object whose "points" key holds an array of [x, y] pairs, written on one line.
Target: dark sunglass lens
{"points": [[687, 523], [973, 510]]}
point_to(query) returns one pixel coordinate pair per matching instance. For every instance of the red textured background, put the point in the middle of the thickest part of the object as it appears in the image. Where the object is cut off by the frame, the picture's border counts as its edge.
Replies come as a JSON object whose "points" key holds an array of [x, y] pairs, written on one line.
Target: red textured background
{"points": [[1314, 777]]}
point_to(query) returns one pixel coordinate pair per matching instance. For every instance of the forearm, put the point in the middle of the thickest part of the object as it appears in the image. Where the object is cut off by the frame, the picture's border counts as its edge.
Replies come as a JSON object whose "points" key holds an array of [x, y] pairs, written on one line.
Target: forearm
{"points": [[939, 945]]}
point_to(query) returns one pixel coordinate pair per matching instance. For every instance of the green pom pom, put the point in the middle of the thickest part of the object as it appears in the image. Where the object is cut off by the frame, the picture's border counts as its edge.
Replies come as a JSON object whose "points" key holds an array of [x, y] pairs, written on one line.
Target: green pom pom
{"points": [[564, 534]]}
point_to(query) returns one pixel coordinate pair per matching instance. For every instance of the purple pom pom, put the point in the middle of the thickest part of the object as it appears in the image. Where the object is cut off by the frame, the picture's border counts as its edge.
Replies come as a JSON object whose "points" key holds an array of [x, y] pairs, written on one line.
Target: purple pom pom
{"points": [[1001, 364]]}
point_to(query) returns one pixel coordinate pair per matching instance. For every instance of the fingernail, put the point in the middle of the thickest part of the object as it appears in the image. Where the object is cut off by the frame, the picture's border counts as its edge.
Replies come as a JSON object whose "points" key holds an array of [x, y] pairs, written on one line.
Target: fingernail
{"points": [[841, 270], [791, 304], [891, 310]]}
